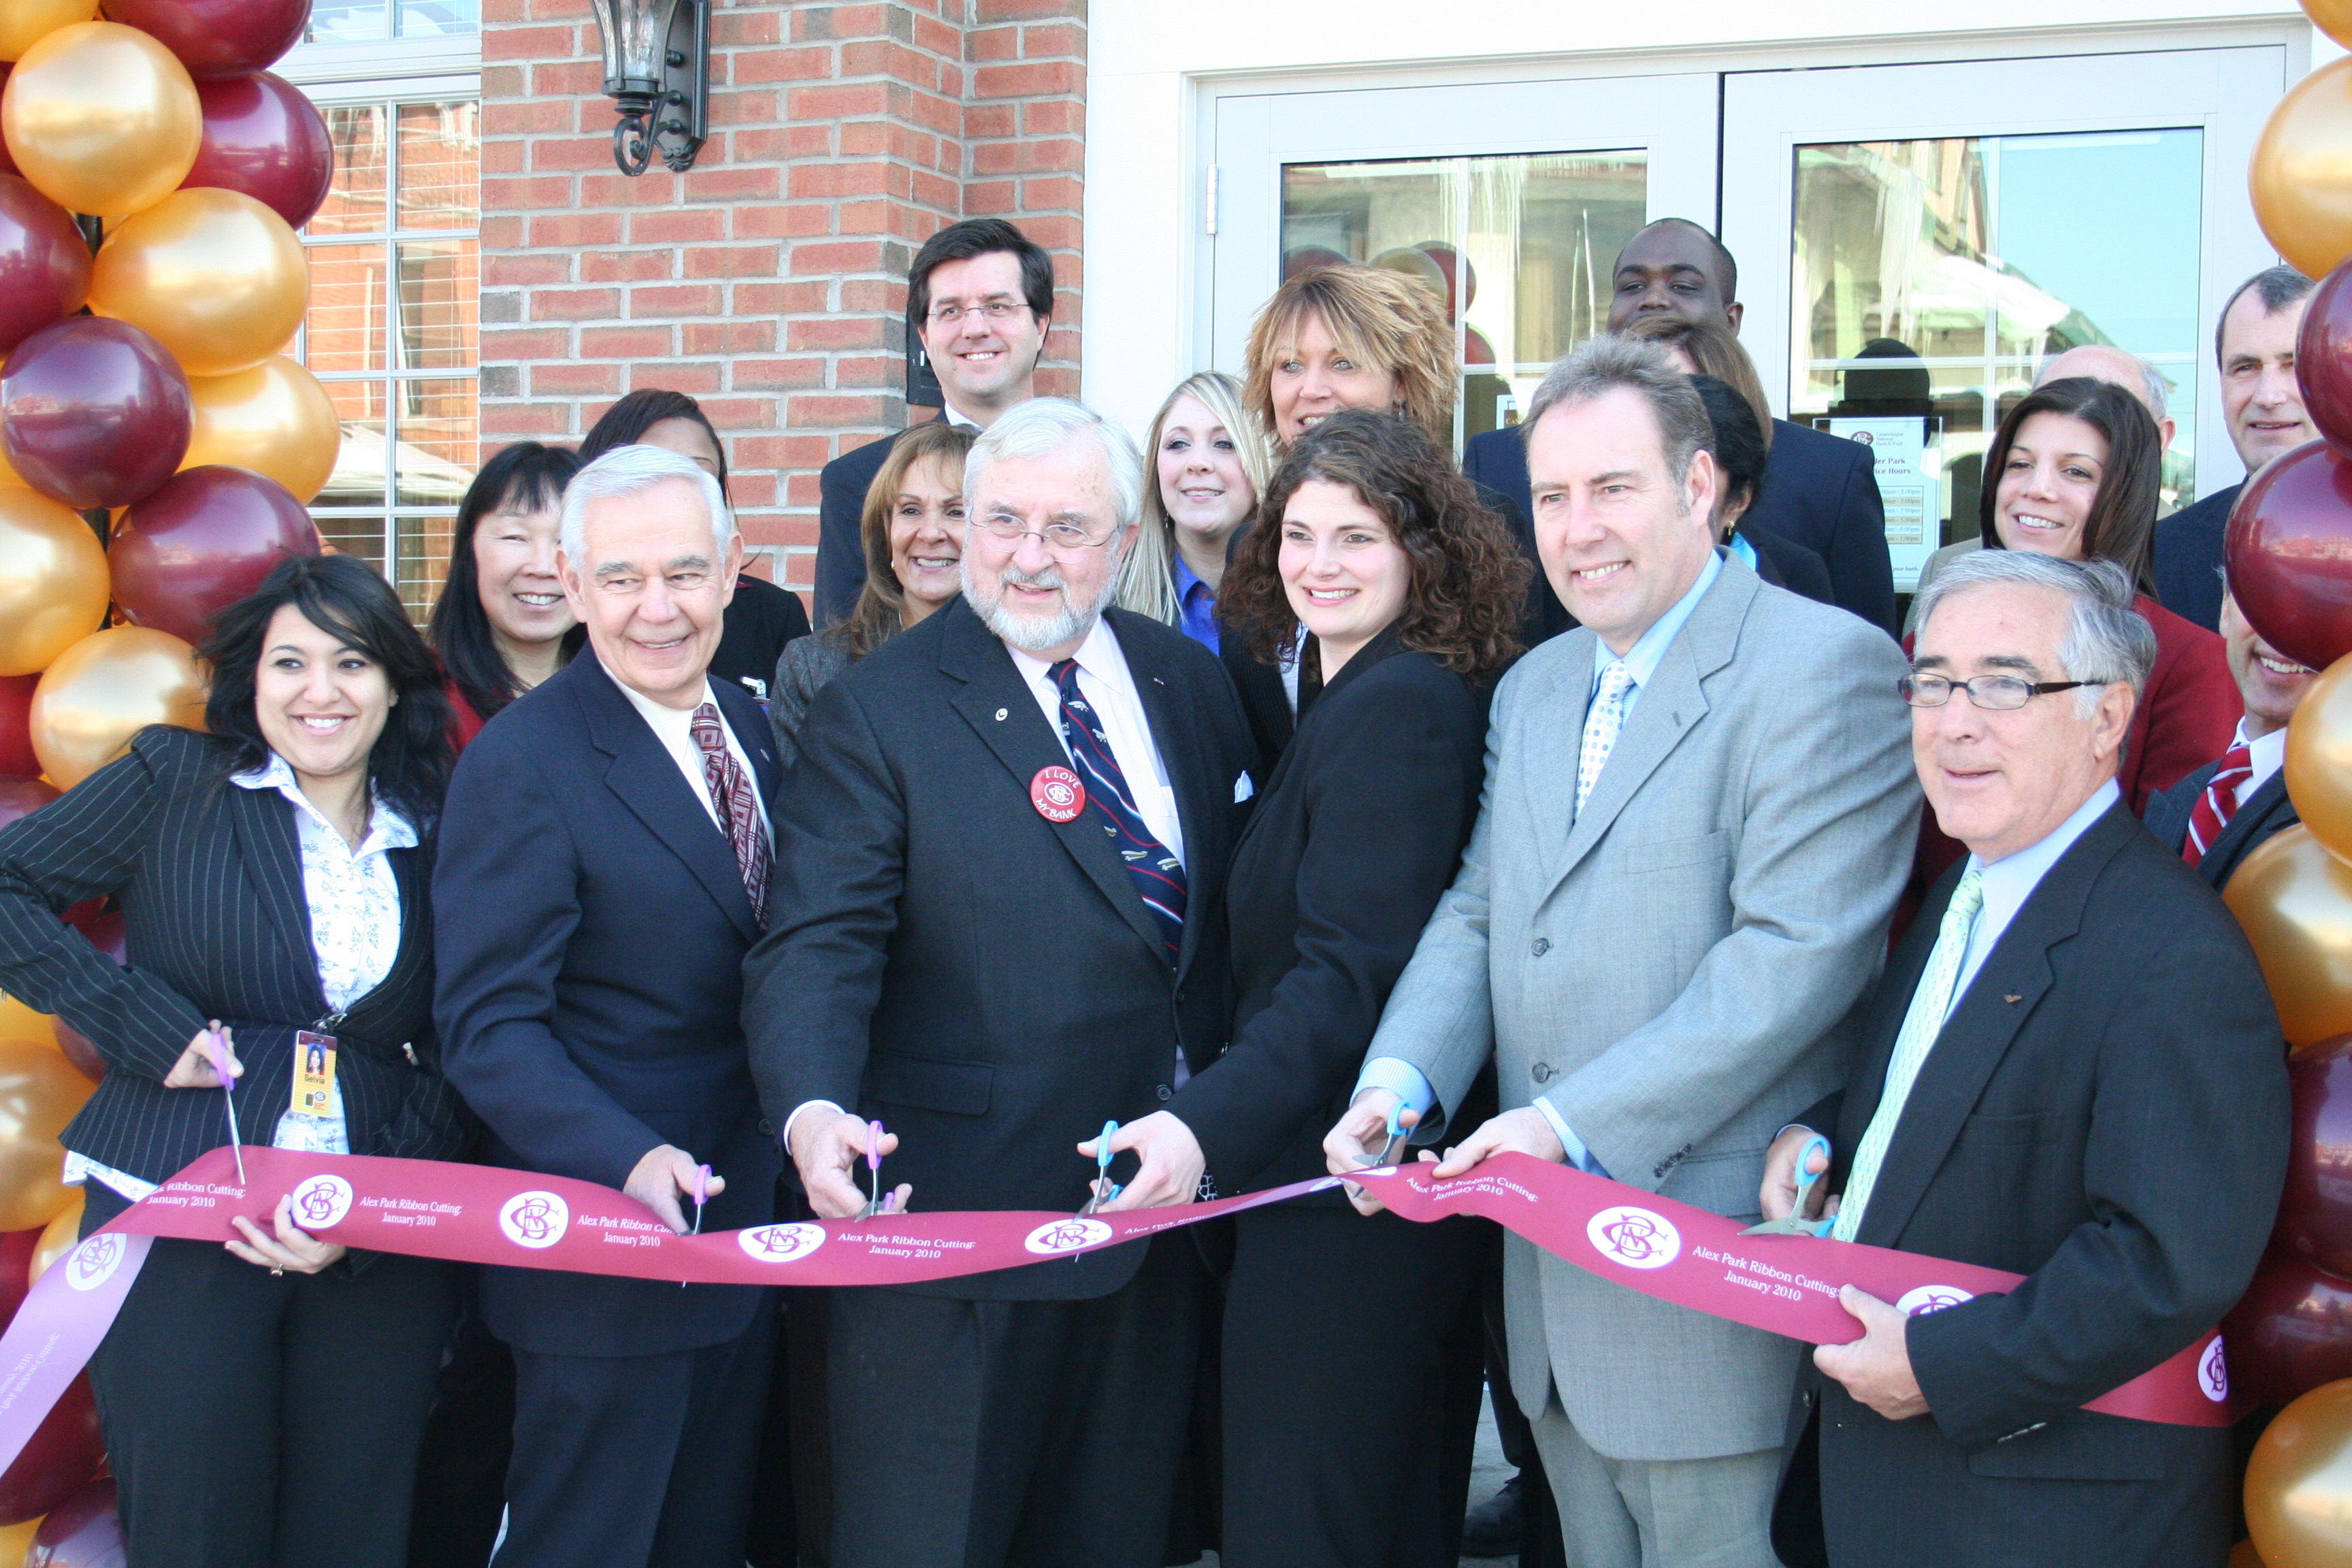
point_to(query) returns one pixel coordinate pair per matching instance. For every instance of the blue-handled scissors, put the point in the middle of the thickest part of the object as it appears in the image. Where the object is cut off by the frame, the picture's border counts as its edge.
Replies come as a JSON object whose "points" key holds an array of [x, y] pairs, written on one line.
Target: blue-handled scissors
{"points": [[1105, 1188], [1393, 1150], [1797, 1224], [879, 1204]]}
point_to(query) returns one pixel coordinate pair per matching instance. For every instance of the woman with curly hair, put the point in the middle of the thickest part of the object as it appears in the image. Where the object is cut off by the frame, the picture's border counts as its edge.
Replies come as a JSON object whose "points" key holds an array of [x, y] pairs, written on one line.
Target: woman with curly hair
{"points": [[1409, 589]]}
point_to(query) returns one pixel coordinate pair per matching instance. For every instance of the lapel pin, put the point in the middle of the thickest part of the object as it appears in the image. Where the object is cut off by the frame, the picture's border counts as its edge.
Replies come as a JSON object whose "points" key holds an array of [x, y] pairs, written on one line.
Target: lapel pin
{"points": [[1057, 795], [1000, 715], [1156, 682], [2012, 997]]}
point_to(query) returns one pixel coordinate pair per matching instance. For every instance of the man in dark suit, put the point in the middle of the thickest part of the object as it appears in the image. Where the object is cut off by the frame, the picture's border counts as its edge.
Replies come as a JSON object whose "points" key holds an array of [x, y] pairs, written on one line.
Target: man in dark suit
{"points": [[2072, 1071], [1819, 491], [980, 297], [2226, 810], [998, 875], [2261, 405], [604, 867]]}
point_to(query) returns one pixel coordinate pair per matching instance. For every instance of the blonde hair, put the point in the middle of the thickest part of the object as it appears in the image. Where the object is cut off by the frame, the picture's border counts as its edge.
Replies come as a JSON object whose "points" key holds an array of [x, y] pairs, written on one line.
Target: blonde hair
{"points": [[879, 613], [1715, 352], [1375, 316], [1147, 581]]}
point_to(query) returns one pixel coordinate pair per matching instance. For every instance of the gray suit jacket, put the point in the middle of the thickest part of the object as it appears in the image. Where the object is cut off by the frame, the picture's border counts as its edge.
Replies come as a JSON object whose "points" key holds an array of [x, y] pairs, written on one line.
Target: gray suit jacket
{"points": [[1679, 971]]}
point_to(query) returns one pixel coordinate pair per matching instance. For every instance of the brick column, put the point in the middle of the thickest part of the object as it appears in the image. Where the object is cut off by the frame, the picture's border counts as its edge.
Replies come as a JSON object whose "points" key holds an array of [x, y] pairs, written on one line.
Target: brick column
{"points": [[1026, 126]]}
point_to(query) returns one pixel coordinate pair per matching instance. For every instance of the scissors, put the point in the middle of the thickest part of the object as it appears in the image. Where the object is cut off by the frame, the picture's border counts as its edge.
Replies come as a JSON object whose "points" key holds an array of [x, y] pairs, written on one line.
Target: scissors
{"points": [[879, 1203], [213, 1048], [1105, 1189], [701, 1196], [1797, 1224], [1393, 1150]]}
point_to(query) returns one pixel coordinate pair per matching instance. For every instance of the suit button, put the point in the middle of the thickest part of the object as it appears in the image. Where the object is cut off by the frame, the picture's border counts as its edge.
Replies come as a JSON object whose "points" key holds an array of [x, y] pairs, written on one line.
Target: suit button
{"points": [[1164, 1092], [767, 1128], [1540, 1072], [1179, 998], [1542, 945]]}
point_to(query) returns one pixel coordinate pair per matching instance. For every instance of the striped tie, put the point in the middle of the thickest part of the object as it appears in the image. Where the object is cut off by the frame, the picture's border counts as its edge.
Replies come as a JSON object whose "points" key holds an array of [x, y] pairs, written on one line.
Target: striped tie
{"points": [[1158, 876], [1921, 1025], [2218, 803], [738, 806]]}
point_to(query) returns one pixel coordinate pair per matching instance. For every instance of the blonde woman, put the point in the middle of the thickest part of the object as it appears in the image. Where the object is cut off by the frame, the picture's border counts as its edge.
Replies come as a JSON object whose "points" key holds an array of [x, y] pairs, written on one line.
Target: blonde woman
{"points": [[1210, 462]]}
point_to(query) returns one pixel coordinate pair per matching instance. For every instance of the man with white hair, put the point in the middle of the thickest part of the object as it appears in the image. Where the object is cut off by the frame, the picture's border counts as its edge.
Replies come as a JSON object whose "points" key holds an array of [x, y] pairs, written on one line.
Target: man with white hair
{"points": [[602, 868], [996, 927]]}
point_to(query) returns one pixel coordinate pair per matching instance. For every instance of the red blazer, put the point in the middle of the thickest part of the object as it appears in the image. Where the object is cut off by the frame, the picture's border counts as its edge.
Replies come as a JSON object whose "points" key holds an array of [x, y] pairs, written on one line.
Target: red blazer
{"points": [[465, 723]]}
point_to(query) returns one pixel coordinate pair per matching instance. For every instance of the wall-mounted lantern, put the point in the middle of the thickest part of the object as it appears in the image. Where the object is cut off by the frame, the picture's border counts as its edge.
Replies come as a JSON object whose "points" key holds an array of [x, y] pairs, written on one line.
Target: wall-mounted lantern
{"points": [[658, 72]]}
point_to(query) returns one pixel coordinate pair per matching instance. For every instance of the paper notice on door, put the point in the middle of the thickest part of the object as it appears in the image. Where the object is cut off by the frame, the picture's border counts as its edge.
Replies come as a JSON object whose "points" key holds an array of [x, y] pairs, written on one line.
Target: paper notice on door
{"points": [[1908, 456]]}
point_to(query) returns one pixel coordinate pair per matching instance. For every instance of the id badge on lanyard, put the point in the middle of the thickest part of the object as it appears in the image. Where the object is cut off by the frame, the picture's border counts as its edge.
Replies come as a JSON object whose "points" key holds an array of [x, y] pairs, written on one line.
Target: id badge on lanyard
{"points": [[314, 1073]]}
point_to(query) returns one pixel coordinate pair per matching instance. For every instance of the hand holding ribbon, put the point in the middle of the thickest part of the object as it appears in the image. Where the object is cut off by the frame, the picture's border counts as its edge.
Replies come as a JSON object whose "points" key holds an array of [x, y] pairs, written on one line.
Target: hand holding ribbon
{"points": [[292, 1248], [1365, 1135], [1172, 1163], [1876, 1368]]}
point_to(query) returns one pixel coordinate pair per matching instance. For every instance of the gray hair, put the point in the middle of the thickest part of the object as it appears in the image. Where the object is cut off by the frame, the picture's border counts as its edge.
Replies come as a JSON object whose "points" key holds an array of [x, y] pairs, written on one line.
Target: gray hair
{"points": [[2275, 287], [627, 473], [1043, 425], [1605, 363], [2106, 639], [2155, 391]]}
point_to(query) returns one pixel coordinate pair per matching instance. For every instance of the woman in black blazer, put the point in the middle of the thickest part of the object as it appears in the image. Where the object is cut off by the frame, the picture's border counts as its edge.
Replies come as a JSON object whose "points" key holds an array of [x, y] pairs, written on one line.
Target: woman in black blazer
{"points": [[262, 1401], [1344, 1337]]}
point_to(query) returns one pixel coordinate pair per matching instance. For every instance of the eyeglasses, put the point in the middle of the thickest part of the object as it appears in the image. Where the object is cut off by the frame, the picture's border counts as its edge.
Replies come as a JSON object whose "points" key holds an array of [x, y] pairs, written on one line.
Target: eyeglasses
{"points": [[1993, 693], [994, 309], [1065, 540]]}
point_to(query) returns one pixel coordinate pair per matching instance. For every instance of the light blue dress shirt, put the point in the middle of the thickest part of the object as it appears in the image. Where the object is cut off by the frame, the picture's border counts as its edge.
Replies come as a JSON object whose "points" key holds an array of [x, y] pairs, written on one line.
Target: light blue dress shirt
{"points": [[2009, 881], [1407, 1082]]}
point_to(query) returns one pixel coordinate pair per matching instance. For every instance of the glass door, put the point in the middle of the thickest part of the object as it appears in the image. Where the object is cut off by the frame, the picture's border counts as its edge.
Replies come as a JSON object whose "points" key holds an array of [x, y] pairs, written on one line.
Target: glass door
{"points": [[1509, 201]]}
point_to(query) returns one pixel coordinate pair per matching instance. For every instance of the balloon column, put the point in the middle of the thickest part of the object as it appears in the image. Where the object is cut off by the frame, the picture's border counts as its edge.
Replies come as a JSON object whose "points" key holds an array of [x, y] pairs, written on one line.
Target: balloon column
{"points": [[152, 175]]}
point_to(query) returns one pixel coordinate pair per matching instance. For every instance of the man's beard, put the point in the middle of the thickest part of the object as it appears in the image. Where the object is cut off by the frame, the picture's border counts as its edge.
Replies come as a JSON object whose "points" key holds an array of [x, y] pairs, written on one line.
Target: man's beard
{"points": [[1035, 633]]}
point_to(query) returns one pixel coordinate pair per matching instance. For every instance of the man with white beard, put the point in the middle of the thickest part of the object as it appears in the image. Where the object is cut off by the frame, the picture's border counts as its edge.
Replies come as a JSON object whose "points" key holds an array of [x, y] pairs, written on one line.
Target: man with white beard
{"points": [[993, 927]]}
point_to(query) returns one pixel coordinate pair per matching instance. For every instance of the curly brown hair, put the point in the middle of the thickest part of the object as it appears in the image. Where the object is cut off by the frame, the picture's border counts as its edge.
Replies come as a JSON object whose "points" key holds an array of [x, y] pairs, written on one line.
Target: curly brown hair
{"points": [[1468, 582]]}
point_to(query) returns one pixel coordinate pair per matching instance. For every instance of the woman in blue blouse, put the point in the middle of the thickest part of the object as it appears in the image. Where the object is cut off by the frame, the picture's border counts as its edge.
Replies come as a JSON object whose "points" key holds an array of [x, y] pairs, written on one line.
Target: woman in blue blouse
{"points": [[1210, 462]]}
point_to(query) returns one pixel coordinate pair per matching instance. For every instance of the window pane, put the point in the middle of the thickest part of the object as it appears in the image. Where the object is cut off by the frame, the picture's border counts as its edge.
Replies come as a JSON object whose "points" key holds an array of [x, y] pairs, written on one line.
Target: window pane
{"points": [[423, 543], [436, 442], [343, 328], [358, 478], [439, 18], [355, 201], [439, 306], [440, 183], [346, 22], [360, 536]]}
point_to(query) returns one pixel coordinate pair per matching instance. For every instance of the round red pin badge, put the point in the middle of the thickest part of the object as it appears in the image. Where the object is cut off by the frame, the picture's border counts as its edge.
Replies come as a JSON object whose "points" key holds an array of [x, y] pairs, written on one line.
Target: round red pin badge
{"points": [[1057, 795]]}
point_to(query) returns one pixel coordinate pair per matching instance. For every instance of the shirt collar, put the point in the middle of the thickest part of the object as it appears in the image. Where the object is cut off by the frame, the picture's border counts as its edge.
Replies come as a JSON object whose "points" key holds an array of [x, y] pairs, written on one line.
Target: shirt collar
{"points": [[1641, 660], [661, 715], [1099, 655], [387, 829], [1187, 580], [1740, 547], [956, 415], [2009, 881], [2267, 752]]}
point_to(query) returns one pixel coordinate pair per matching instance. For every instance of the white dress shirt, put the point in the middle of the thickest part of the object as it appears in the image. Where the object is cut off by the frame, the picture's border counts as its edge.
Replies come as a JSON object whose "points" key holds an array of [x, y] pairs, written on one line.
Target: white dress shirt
{"points": [[673, 728], [1109, 688], [2267, 753]]}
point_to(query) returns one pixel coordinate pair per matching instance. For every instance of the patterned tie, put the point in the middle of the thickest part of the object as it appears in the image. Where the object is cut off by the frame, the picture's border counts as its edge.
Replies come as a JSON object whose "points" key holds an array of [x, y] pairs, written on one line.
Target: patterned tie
{"points": [[1601, 727], [1158, 876], [1921, 1025], [2218, 803], [739, 807]]}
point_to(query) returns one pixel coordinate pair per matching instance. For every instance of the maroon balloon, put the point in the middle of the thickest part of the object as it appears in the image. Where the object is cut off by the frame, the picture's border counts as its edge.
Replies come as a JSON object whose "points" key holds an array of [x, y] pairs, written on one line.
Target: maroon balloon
{"points": [[1448, 259], [2315, 1212], [16, 1250], [83, 1531], [94, 412], [2323, 357], [104, 930], [1307, 258], [2289, 548], [78, 1049], [202, 542], [23, 796], [61, 1458], [44, 262], [218, 37], [17, 759], [263, 138], [2291, 1333]]}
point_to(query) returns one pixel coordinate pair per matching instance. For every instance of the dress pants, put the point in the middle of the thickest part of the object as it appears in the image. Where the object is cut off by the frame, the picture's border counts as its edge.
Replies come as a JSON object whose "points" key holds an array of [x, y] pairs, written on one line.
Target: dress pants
{"points": [[641, 1461], [1353, 1353], [1658, 1513], [1013, 1433], [261, 1422]]}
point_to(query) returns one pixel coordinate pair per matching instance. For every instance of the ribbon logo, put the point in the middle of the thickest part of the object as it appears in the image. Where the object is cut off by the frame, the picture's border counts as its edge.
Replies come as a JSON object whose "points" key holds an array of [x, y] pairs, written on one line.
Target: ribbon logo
{"points": [[536, 1220], [1922, 1300], [1073, 1235], [93, 1263], [1635, 1237], [321, 1203], [2214, 1373], [779, 1243]]}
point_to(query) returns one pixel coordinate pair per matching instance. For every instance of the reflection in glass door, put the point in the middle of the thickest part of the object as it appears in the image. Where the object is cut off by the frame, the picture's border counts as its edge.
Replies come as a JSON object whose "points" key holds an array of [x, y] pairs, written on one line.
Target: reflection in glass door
{"points": [[1518, 245]]}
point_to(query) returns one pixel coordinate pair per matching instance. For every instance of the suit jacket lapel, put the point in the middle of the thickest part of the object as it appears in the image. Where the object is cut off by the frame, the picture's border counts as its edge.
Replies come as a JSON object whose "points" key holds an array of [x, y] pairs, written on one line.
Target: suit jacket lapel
{"points": [[2252, 819], [1003, 712], [1178, 740], [408, 871], [273, 864]]}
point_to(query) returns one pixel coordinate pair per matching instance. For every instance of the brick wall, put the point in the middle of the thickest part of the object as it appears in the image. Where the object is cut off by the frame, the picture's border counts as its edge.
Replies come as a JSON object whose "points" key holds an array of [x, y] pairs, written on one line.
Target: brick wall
{"points": [[769, 281]]}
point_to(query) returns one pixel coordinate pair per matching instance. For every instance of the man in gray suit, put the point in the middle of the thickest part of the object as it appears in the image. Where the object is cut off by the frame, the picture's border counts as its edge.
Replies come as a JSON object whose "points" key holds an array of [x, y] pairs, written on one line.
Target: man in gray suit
{"points": [[1699, 810]]}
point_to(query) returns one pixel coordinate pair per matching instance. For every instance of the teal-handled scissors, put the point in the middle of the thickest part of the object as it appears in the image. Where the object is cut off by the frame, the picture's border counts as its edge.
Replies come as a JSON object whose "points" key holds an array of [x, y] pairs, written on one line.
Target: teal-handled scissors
{"points": [[1393, 1150], [879, 1203], [1105, 1188], [1797, 1224]]}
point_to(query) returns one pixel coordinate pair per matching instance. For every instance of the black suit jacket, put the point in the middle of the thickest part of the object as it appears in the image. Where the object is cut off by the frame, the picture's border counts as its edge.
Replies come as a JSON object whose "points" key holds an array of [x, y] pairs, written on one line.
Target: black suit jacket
{"points": [[2260, 817], [215, 925], [2105, 1113], [2188, 558], [759, 621], [1819, 491], [840, 547], [984, 982], [1787, 565], [1358, 831], [592, 929]]}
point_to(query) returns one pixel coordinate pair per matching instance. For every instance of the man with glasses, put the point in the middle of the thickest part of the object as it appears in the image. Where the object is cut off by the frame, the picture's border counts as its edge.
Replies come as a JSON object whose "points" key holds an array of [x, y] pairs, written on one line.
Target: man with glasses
{"points": [[2072, 1071], [996, 927], [980, 297]]}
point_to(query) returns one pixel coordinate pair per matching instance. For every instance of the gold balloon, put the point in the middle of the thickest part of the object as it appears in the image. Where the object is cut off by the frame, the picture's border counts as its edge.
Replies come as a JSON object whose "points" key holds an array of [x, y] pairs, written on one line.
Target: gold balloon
{"points": [[2299, 1483], [19, 1021], [17, 1543], [101, 119], [39, 1092], [103, 691], [24, 23], [275, 419], [216, 275], [57, 1237], [2302, 174], [2333, 17], [2295, 899], [2319, 758], [53, 586], [9, 477]]}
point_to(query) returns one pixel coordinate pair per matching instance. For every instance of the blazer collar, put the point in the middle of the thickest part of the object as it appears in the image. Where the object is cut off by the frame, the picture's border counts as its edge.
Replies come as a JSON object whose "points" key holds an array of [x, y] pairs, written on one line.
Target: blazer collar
{"points": [[2261, 813]]}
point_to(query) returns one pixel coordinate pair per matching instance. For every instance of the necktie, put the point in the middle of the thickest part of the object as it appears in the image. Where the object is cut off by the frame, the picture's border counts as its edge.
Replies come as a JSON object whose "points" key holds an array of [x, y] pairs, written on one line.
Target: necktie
{"points": [[1921, 1025], [1601, 727], [2218, 803], [739, 807], [1158, 876]]}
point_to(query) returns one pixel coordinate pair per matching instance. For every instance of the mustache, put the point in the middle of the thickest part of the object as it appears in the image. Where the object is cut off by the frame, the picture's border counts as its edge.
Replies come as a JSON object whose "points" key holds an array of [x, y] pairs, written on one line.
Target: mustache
{"points": [[1051, 577]]}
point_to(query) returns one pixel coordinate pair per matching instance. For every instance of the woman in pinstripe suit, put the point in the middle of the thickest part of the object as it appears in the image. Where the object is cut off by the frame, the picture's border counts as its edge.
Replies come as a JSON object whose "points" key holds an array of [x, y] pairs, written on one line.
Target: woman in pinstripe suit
{"points": [[262, 1403]]}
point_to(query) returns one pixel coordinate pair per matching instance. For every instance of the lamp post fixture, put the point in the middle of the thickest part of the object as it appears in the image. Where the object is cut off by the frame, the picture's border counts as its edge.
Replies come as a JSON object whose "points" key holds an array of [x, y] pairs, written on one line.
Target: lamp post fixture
{"points": [[658, 72]]}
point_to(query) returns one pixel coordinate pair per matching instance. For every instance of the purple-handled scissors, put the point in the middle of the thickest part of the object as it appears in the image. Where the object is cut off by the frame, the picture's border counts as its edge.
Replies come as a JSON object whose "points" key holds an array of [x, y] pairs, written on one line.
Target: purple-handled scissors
{"points": [[701, 1196], [215, 1048], [879, 1204]]}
